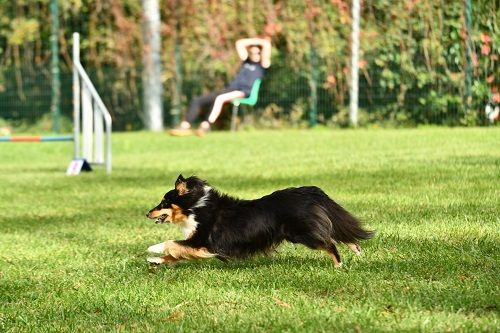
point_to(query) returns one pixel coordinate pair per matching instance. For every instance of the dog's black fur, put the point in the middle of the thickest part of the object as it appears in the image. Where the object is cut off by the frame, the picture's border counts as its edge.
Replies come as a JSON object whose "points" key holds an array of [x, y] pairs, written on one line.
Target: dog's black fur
{"points": [[232, 228]]}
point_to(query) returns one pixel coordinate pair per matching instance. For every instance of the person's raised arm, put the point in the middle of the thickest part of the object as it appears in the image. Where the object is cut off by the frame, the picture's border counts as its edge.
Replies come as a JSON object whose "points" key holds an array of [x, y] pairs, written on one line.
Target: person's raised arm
{"points": [[266, 53], [265, 44]]}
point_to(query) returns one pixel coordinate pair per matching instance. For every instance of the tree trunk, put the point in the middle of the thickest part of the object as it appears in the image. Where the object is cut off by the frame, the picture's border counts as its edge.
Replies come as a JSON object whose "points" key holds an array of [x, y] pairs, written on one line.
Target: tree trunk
{"points": [[151, 67]]}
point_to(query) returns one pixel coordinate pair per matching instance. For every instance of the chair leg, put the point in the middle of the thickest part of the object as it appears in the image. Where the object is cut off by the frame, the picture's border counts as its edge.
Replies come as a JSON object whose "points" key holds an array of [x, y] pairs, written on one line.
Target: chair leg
{"points": [[234, 117]]}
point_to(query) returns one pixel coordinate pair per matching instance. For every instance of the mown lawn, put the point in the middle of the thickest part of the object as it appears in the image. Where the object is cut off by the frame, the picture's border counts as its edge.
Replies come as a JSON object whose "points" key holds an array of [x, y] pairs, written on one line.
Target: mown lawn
{"points": [[72, 249]]}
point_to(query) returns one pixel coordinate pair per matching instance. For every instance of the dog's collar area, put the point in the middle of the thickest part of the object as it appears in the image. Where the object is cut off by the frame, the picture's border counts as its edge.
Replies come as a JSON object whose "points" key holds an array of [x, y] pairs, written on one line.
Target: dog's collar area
{"points": [[203, 200]]}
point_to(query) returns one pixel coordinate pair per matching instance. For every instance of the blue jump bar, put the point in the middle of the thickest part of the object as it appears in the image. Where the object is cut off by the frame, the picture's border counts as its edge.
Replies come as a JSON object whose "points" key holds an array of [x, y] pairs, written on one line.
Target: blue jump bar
{"points": [[57, 138]]}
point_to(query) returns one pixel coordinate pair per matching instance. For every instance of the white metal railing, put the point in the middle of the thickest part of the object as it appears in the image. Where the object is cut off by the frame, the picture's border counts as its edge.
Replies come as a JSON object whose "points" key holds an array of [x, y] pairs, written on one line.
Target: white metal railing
{"points": [[94, 116]]}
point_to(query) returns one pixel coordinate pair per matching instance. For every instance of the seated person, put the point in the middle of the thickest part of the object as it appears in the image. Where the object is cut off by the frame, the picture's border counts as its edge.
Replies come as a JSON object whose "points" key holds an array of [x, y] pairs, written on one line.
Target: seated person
{"points": [[256, 56]]}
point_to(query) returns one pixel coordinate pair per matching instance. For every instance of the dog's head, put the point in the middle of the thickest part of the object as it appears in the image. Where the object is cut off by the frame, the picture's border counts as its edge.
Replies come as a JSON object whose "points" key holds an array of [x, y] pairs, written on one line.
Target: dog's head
{"points": [[176, 204]]}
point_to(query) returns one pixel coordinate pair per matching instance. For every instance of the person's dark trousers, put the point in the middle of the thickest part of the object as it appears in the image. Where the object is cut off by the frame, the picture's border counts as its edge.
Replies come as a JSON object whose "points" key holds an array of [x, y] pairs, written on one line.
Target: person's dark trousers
{"points": [[199, 102]]}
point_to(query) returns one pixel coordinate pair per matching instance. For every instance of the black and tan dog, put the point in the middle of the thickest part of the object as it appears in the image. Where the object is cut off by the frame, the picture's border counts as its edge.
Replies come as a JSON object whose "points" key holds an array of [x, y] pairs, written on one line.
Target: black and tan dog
{"points": [[217, 225]]}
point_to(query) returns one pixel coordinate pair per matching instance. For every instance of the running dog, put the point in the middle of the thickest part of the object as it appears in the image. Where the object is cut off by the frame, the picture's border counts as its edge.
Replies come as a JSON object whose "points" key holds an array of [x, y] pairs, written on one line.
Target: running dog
{"points": [[218, 225]]}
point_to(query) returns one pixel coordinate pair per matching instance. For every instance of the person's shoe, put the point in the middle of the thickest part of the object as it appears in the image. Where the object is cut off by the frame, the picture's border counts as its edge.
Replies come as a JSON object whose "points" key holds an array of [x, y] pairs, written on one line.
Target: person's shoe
{"points": [[203, 129], [180, 132], [184, 129]]}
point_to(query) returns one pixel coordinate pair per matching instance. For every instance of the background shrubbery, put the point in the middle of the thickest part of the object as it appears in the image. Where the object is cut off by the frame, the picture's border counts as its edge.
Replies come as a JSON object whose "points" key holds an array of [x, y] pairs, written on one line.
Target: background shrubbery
{"points": [[412, 63]]}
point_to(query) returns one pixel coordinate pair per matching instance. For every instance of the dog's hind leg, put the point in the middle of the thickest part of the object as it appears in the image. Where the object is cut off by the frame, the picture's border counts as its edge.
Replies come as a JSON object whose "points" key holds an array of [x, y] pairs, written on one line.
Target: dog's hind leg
{"points": [[317, 240], [354, 248], [334, 254]]}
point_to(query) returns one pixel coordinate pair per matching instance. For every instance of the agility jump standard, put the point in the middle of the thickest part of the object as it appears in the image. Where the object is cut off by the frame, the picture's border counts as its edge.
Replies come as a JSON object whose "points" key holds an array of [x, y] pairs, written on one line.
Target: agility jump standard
{"points": [[95, 117]]}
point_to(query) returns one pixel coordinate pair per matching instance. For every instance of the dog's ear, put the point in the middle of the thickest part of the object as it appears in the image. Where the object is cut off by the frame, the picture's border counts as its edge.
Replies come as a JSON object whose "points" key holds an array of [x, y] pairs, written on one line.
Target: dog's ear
{"points": [[180, 179], [181, 185]]}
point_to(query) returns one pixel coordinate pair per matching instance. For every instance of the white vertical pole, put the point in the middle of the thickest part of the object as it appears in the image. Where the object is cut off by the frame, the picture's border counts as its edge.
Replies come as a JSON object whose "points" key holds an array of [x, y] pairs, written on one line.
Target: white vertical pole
{"points": [[151, 72], [108, 147], [87, 124], [353, 113], [98, 135], [76, 97]]}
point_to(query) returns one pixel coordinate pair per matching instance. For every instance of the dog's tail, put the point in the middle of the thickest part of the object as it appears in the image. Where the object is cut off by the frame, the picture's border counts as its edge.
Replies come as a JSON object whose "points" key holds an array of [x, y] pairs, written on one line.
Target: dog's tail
{"points": [[346, 228]]}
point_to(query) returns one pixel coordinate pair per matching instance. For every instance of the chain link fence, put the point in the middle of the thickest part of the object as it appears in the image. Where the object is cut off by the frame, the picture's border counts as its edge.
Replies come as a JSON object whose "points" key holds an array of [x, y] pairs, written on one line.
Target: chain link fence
{"points": [[284, 100], [25, 99]]}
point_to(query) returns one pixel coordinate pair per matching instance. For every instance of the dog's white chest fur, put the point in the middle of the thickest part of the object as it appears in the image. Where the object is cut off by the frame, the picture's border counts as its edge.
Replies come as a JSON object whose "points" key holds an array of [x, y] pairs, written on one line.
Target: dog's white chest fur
{"points": [[188, 226]]}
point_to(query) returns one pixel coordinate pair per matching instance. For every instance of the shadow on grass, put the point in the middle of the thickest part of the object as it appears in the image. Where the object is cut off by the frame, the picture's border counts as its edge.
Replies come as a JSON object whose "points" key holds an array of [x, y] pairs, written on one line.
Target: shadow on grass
{"points": [[257, 182], [151, 177], [441, 284]]}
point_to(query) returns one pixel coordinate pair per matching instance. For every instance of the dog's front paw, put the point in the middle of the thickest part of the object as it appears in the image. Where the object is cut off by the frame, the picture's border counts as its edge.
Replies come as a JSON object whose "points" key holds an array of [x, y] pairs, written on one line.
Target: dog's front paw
{"points": [[155, 260], [157, 248]]}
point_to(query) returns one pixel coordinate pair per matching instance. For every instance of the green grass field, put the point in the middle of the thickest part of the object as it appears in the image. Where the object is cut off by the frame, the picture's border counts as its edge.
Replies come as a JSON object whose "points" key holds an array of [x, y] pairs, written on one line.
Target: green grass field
{"points": [[72, 249]]}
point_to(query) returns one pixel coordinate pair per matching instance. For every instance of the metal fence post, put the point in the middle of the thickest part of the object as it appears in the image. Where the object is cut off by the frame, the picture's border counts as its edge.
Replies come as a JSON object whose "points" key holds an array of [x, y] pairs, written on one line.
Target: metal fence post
{"points": [[353, 113], [468, 55], [55, 107]]}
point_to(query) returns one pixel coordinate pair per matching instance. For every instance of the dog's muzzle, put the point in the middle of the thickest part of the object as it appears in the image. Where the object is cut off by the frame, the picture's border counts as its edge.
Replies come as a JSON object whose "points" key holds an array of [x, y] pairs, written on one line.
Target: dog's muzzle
{"points": [[159, 220]]}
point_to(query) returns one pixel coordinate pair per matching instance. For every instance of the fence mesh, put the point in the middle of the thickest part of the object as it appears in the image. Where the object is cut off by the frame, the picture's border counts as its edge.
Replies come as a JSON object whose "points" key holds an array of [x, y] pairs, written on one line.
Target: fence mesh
{"points": [[25, 97]]}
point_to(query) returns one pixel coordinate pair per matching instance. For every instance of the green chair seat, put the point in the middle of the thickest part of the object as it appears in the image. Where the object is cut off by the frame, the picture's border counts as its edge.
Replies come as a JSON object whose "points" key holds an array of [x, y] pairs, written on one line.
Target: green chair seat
{"points": [[250, 100]]}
